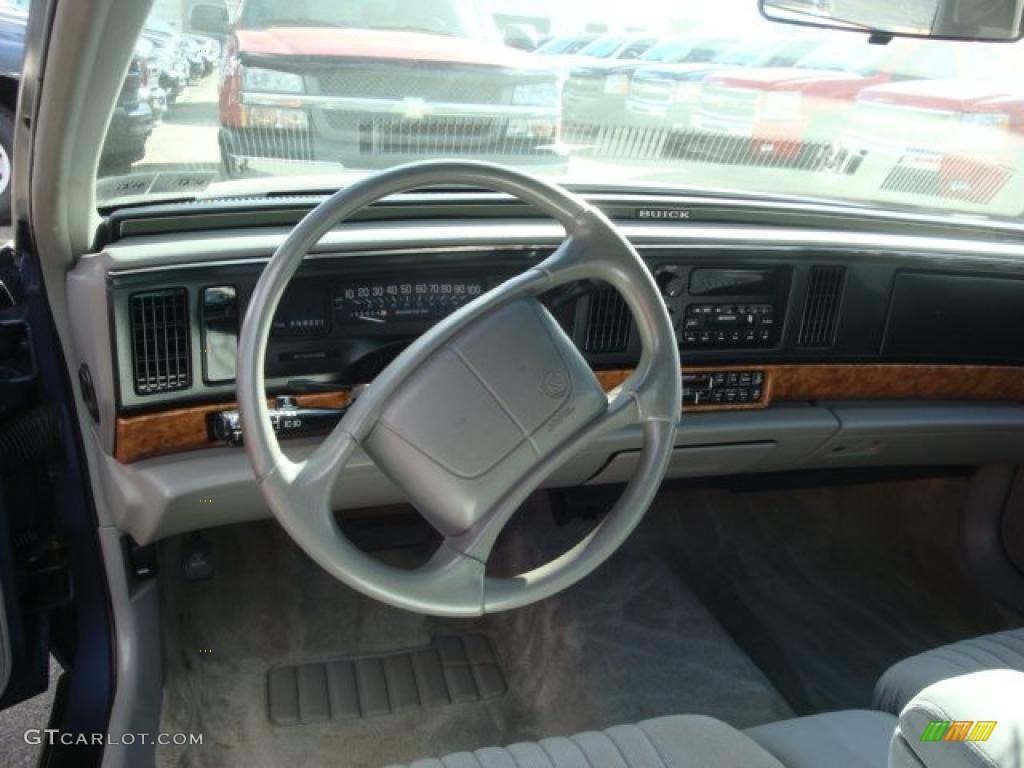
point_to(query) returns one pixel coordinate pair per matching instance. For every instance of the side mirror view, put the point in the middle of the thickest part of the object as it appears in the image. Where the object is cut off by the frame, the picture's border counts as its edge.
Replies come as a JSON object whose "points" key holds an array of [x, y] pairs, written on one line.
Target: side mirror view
{"points": [[998, 20], [211, 18], [521, 36]]}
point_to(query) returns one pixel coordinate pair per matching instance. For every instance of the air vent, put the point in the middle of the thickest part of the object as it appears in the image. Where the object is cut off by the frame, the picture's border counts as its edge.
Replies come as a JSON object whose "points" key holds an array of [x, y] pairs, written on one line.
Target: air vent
{"points": [[608, 323], [821, 310], [161, 347]]}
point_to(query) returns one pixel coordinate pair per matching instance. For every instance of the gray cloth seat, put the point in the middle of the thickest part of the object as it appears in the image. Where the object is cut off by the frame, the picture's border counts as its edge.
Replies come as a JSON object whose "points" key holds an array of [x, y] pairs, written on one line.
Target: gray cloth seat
{"points": [[962, 721], [970, 721], [856, 738], [905, 679], [684, 741]]}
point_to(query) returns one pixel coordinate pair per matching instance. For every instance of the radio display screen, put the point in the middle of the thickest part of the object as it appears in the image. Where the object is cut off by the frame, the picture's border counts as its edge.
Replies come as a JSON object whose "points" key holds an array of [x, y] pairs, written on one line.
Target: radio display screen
{"points": [[390, 301]]}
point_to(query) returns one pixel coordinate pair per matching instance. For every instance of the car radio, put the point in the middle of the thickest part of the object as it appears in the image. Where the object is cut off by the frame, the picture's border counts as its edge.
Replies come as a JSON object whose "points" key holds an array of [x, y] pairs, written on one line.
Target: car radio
{"points": [[722, 308], [748, 325]]}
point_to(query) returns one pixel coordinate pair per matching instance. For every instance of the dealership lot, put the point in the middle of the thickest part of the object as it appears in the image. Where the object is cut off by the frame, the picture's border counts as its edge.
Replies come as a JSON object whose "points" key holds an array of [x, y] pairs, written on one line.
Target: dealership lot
{"points": [[186, 139], [188, 133]]}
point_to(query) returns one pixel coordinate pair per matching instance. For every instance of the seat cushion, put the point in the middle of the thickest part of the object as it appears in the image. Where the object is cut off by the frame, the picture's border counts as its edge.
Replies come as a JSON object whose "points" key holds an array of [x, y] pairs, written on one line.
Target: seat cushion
{"points": [[685, 741], [856, 738], [970, 721], [905, 679]]}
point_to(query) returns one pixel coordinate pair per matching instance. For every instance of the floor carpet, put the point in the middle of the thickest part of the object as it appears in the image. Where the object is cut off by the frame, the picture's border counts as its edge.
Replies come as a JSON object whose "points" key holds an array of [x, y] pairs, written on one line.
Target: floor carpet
{"points": [[825, 587], [747, 603], [628, 643]]}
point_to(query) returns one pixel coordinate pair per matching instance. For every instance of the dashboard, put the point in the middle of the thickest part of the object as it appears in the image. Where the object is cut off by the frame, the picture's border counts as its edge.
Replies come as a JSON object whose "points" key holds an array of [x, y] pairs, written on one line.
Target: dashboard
{"points": [[801, 347]]}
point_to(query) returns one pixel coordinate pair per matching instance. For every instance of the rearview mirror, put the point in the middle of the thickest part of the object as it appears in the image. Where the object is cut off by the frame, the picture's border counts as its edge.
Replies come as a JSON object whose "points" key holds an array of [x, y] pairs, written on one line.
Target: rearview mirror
{"points": [[994, 20], [208, 17]]}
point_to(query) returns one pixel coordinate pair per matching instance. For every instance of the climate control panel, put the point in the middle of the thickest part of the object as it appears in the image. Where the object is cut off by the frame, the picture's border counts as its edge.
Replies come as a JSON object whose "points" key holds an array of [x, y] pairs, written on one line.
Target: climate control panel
{"points": [[721, 388]]}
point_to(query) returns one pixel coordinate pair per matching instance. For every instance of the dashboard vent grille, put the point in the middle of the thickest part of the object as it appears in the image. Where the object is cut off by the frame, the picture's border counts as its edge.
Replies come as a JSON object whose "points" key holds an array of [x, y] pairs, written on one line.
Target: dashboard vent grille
{"points": [[608, 323], [161, 347], [821, 310]]}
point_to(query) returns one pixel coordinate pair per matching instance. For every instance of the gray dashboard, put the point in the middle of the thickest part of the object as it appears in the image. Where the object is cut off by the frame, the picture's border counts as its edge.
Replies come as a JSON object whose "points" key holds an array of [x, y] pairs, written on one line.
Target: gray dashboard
{"points": [[718, 268]]}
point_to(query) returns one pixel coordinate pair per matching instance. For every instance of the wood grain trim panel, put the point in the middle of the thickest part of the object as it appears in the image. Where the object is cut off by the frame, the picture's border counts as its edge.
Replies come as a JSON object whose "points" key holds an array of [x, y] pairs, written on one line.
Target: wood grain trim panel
{"points": [[872, 381], [184, 429], [867, 381]]}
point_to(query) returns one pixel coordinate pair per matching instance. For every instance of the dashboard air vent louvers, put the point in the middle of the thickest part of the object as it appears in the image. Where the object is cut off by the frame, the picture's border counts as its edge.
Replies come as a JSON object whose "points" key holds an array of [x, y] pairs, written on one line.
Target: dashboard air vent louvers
{"points": [[161, 345], [821, 309], [608, 323]]}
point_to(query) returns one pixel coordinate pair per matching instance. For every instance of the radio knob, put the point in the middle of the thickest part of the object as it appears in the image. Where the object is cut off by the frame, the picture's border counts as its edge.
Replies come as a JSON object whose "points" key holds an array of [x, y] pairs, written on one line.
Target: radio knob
{"points": [[675, 287]]}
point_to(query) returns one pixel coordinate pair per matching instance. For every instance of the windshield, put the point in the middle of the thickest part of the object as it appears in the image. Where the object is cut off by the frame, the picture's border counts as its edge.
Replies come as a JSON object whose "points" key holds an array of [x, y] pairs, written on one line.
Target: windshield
{"points": [[673, 50], [603, 47], [460, 19], [846, 56], [556, 45], [310, 95], [565, 44], [747, 52]]}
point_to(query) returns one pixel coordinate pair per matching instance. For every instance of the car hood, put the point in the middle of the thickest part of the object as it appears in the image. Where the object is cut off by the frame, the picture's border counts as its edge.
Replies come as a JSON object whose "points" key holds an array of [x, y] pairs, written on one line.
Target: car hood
{"points": [[684, 71], [378, 44], [600, 67], [785, 78], [564, 60], [955, 95]]}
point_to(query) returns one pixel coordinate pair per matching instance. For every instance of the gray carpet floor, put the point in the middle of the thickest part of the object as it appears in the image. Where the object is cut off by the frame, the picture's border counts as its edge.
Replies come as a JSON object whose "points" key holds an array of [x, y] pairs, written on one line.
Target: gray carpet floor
{"points": [[747, 605], [628, 643], [826, 587]]}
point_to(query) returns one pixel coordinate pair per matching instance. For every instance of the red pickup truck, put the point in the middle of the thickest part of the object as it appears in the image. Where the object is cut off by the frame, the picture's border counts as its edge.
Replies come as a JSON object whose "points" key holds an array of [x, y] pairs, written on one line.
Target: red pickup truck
{"points": [[349, 89], [794, 114], [961, 140]]}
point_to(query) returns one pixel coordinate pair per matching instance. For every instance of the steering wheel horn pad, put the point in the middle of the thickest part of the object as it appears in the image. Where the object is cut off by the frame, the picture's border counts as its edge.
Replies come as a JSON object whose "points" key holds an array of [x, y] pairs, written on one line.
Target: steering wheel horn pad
{"points": [[463, 429], [477, 412]]}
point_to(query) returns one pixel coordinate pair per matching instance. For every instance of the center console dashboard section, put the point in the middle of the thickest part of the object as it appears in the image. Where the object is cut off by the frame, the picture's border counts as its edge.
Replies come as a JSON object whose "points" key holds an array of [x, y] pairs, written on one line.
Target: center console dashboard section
{"points": [[725, 307], [745, 387]]}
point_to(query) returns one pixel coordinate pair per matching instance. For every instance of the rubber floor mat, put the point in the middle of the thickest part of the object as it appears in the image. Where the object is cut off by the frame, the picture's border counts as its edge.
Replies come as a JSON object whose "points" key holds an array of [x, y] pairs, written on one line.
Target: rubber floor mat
{"points": [[453, 669]]}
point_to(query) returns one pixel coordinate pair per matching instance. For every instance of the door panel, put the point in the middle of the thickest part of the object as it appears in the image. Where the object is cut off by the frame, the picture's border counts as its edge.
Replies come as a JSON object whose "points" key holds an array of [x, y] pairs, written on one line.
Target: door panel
{"points": [[27, 438]]}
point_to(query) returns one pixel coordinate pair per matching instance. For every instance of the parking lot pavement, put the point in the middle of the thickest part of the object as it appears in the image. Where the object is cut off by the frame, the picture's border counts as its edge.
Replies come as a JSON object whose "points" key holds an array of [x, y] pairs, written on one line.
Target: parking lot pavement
{"points": [[188, 134]]}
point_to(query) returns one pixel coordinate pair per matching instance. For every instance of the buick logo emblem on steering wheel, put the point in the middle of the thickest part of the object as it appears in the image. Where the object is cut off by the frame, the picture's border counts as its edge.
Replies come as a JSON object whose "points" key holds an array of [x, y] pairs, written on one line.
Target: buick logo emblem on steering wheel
{"points": [[555, 384]]}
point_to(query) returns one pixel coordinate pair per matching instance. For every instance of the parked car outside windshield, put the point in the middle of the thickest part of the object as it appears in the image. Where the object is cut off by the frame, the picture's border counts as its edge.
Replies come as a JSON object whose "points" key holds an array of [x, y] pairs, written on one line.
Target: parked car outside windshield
{"points": [[269, 95]]}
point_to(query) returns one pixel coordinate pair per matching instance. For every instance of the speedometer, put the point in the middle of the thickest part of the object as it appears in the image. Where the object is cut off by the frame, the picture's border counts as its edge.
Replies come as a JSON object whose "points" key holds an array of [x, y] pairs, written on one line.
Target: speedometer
{"points": [[386, 301]]}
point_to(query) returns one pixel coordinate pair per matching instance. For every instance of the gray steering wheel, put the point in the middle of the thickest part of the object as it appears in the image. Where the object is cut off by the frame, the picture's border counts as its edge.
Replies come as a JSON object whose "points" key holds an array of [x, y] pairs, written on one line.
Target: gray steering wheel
{"points": [[476, 413]]}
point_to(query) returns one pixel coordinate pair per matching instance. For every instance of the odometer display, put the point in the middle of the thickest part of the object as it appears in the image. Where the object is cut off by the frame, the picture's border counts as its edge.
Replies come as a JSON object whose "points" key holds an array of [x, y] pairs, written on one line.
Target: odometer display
{"points": [[378, 301]]}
